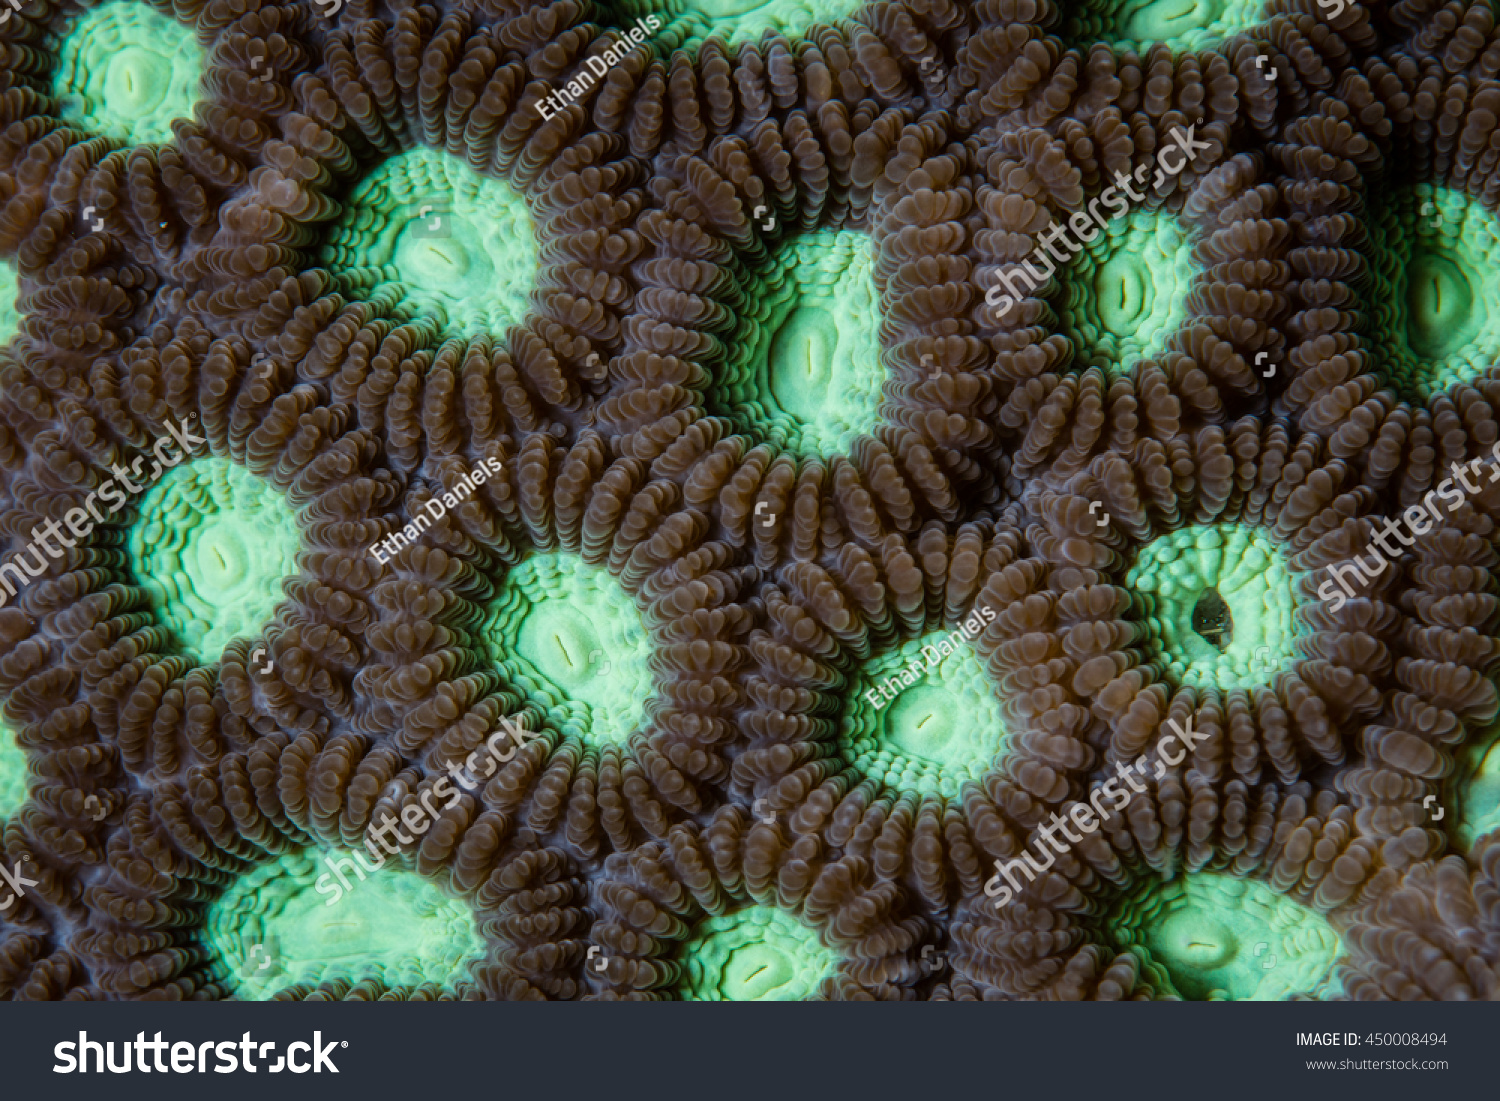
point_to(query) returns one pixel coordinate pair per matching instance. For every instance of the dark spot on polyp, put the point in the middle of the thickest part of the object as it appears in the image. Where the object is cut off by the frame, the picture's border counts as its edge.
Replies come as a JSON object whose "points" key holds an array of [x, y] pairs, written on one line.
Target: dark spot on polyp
{"points": [[1211, 618]]}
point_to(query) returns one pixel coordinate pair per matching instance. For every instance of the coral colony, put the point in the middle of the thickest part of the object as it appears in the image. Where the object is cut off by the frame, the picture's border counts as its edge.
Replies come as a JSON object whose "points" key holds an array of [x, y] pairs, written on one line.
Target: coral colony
{"points": [[960, 500]]}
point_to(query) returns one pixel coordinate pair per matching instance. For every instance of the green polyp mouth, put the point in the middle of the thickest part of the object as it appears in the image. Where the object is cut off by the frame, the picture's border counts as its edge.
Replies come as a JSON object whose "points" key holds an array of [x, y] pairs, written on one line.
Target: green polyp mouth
{"points": [[451, 243], [1187, 25], [12, 772], [1440, 306], [803, 368], [10, 294], [1127, 291], [688, 25], [1479, 795], [211, 545], [126, 72], [924, 717], [1211, 937], [1219, 605], [1434, 269], [571, 638], [293, 921], [758, 954]]}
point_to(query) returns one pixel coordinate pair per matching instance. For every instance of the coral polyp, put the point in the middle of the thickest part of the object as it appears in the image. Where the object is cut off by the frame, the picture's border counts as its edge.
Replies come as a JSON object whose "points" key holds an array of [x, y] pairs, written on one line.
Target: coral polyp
{"points": [[449, 243], [1178, 24], [211, 546], [126, 71], [12, 772], [1434, 274], [757, 954], [10, 307], [1211, 937], [567, 635], [1479, 799], [804, 368], [1126, 292], [688, 23], [288, 922], [1218, 603], [924, 717]]}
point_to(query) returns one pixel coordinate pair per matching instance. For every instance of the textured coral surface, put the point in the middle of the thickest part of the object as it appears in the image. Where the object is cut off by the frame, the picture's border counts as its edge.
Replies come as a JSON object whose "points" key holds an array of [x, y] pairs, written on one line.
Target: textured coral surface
{"points": [[713, 499]]}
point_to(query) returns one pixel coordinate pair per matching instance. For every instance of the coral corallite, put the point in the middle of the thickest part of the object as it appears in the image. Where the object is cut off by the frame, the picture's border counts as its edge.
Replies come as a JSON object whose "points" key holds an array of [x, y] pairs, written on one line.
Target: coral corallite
{"points": [[1436, 278], [567, 635], [12, 772], [686, 23], [126, 71], [454, 245], [1218, 604], [804, 367], [1218, 938], [1127, 291], [10, 310], [211, 546], [1180, 24], [758, 954], [289, 922], [923, 717]]}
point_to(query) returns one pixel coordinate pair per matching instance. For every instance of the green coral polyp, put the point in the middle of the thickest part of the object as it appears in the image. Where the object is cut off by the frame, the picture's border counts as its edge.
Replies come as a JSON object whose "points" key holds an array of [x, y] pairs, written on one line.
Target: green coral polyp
{"points": [[1212, 937], [290, 922], [687, 24], [126, 71], [1219, 605], [924, 717], [1126, 292], [12, 772], [210, 546], [1435, 272], [803, 368], [1479, 794], [758, 954], [571, 638], [448, 242], [10, 294], [1187, 25]]}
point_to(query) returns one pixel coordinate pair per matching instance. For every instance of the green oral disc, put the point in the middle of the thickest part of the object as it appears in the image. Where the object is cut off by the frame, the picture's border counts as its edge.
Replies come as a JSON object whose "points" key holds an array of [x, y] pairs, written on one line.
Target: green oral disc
{"points": [[758, 954], [126, 72], [211, 546]]}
